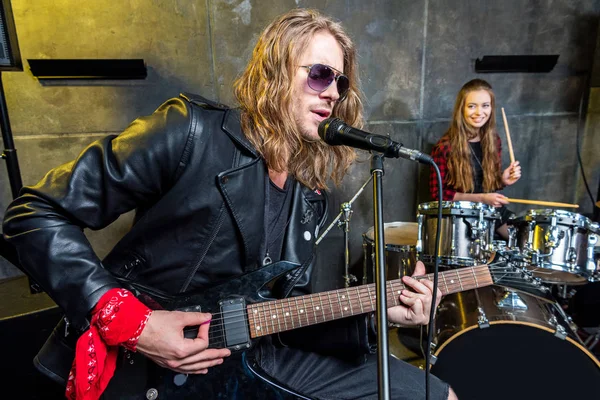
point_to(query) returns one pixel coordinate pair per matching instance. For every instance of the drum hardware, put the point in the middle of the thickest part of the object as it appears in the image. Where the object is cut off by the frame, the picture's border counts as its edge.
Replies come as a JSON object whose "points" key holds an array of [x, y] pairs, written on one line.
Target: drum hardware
{"points": [[511, 300], [557, 245], [466, 235], [419, 245], [482, 320], [592, 340], [346, 212], [345, 225], [592, 263], [561, 332]]}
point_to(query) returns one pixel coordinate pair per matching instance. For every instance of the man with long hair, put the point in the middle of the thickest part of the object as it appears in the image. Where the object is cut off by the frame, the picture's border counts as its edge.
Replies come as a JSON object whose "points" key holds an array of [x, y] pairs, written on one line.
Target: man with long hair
{"points": [[218, 193]]}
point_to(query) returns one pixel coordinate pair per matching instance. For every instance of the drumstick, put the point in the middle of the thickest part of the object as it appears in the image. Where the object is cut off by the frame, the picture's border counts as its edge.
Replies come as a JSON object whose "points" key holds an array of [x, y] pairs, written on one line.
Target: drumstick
{"points": [[543, 203], [510, 148]]}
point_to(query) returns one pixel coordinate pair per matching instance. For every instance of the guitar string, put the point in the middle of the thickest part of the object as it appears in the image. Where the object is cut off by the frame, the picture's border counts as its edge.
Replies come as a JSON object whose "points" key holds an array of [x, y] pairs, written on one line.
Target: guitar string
{"points": [[334, 311], [296, 321], [276, 327], [466, 280], [326, 312]]}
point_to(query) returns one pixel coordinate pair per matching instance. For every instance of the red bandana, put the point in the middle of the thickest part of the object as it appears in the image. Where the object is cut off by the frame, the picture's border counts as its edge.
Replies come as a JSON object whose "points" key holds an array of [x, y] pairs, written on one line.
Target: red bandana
{"points": [[117, 319]]}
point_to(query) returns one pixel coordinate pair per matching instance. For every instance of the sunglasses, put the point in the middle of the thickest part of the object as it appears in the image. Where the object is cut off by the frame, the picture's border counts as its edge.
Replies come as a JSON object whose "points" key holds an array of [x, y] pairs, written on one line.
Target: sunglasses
{"points": [[321, 76]]}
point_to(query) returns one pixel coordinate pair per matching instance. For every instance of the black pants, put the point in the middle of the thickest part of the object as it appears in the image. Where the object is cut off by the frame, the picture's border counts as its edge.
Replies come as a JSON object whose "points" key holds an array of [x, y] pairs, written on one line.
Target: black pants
{"points": [[310, 374], [323, 377]]}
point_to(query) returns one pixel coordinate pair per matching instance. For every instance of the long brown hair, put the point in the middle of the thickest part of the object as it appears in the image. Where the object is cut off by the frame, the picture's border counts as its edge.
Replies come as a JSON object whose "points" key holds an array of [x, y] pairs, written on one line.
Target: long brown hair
{"points": [[460, 171], [264, 92]]}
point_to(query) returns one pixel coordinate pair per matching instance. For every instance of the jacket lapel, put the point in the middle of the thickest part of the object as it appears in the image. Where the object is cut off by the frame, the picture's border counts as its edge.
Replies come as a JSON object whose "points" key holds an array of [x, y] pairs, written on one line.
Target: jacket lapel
{"points": [[246, 203]]}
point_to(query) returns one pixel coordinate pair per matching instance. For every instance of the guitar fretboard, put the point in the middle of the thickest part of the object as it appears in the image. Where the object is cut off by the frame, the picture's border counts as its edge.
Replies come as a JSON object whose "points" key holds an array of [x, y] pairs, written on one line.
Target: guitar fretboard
{"points": [[295, 312]]}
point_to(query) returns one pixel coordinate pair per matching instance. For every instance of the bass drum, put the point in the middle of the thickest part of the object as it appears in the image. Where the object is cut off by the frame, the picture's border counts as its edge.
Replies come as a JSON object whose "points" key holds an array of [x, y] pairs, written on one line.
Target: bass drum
{"points": [[501, 343]]}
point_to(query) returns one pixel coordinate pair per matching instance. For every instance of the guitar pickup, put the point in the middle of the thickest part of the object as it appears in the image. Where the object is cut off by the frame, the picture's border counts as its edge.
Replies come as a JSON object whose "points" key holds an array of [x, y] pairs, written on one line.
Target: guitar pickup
{"points": [[234, 326]]}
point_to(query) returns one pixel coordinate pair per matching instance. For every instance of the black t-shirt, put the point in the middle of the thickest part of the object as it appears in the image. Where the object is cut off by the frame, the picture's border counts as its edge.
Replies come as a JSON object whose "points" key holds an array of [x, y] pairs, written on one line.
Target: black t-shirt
{"points": [[277, 212], [477, 165]]}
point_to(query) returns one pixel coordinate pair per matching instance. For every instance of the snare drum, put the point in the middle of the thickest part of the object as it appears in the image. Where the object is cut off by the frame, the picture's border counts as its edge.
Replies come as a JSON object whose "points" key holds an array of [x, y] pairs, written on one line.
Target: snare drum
{"points": [[400, 250], [558, 244], [466, 234], [495, 338]]}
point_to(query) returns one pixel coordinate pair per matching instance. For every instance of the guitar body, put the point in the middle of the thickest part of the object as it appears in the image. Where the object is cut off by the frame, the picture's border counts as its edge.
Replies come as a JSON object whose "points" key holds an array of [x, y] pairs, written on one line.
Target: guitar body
{"points": [[231, 380], [136, 375]]}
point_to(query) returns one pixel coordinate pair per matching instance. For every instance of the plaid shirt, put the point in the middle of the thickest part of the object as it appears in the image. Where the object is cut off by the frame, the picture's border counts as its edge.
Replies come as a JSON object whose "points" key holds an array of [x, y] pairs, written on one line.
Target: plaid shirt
{"points": [[440, 154]]}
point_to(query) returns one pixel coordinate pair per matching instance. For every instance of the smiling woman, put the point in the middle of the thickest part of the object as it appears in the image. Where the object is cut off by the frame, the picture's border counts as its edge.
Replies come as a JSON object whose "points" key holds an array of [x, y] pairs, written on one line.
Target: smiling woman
{"points": [[469, 155]]}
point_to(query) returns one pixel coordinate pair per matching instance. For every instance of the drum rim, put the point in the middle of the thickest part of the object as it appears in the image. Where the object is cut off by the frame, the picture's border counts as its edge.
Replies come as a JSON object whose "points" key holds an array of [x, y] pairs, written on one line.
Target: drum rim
{"points": [[575, 219], [530, 324], [430, 208], [389, 225], [463, 204]]}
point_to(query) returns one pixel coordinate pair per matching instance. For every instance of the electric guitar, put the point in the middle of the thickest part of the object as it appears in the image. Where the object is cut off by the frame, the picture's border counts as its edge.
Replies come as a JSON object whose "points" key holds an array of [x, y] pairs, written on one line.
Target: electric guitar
{"points": [[242, 313]]}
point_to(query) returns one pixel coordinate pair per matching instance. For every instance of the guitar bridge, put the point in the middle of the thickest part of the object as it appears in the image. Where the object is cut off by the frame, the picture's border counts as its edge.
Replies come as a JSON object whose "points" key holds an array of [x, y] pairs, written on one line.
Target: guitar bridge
{"points": [[235, 329]]}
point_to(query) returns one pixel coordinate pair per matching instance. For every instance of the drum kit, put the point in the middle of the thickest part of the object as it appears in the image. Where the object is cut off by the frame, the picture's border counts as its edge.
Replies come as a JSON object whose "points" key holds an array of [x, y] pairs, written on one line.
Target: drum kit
{"points": [[517, 333]]}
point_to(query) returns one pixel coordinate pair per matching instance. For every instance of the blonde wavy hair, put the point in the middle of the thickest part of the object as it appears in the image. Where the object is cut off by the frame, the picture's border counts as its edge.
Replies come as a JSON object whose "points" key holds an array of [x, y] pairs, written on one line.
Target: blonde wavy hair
{"points": [[460, 171], [265, 95]]}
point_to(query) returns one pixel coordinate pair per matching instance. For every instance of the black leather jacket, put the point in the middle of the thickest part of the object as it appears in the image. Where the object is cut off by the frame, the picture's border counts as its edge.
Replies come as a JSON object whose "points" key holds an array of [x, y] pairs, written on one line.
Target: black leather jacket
{"points": [[197, 186]]}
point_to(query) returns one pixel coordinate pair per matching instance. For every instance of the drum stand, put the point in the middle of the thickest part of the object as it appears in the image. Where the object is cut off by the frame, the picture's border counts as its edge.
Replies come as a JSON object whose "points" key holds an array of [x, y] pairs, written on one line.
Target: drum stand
{"points": [[346, 212], [592, 340]]}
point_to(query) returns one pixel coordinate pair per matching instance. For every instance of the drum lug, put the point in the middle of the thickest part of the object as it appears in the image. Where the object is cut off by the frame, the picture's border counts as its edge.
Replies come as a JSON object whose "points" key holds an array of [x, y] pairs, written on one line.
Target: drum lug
{"points": [[561, 332], [553, 237], [432, 359], [512, 237], [591, 263], [482, 319]]}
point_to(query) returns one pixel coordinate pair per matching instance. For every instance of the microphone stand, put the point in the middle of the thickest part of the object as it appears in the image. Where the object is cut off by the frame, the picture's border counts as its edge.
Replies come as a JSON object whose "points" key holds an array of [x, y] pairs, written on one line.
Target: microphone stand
{"points": [[380, 279], [346, 211]]}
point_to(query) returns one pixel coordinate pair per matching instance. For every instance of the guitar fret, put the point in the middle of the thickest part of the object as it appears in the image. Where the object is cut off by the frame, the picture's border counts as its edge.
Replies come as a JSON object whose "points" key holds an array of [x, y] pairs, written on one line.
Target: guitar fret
{"points": [[330, 304], [459, 281], [445, 283], [322, 308], [390, 292], [272, 317], [259, 314], [474, 277], [359, 300], [297, 312], [339, 303], [277, 318], [251, 321], [305, 310], [371, 297], [349, 302], [283, 315], [290, 313], [312, 303], [397, 297]]}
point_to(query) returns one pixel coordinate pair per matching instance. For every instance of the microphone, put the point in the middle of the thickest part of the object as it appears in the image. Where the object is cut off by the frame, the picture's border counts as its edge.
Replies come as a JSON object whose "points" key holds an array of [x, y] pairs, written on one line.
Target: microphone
{"points": [[336, 132]]}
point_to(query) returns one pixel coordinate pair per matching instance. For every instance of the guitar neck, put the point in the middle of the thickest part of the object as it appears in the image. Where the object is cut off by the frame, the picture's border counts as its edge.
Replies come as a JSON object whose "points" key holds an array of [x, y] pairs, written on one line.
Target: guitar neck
{"points": [[276, 316]]}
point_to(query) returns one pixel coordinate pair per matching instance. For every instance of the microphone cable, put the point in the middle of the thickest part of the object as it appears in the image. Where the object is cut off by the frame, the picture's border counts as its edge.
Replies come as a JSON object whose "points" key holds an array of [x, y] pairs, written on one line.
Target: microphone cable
{"points": [[435, 278]]}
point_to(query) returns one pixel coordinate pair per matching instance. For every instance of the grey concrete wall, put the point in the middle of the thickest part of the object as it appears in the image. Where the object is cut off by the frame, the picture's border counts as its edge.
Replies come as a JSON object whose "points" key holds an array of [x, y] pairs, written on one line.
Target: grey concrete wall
{"points": [[414, 57]]}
